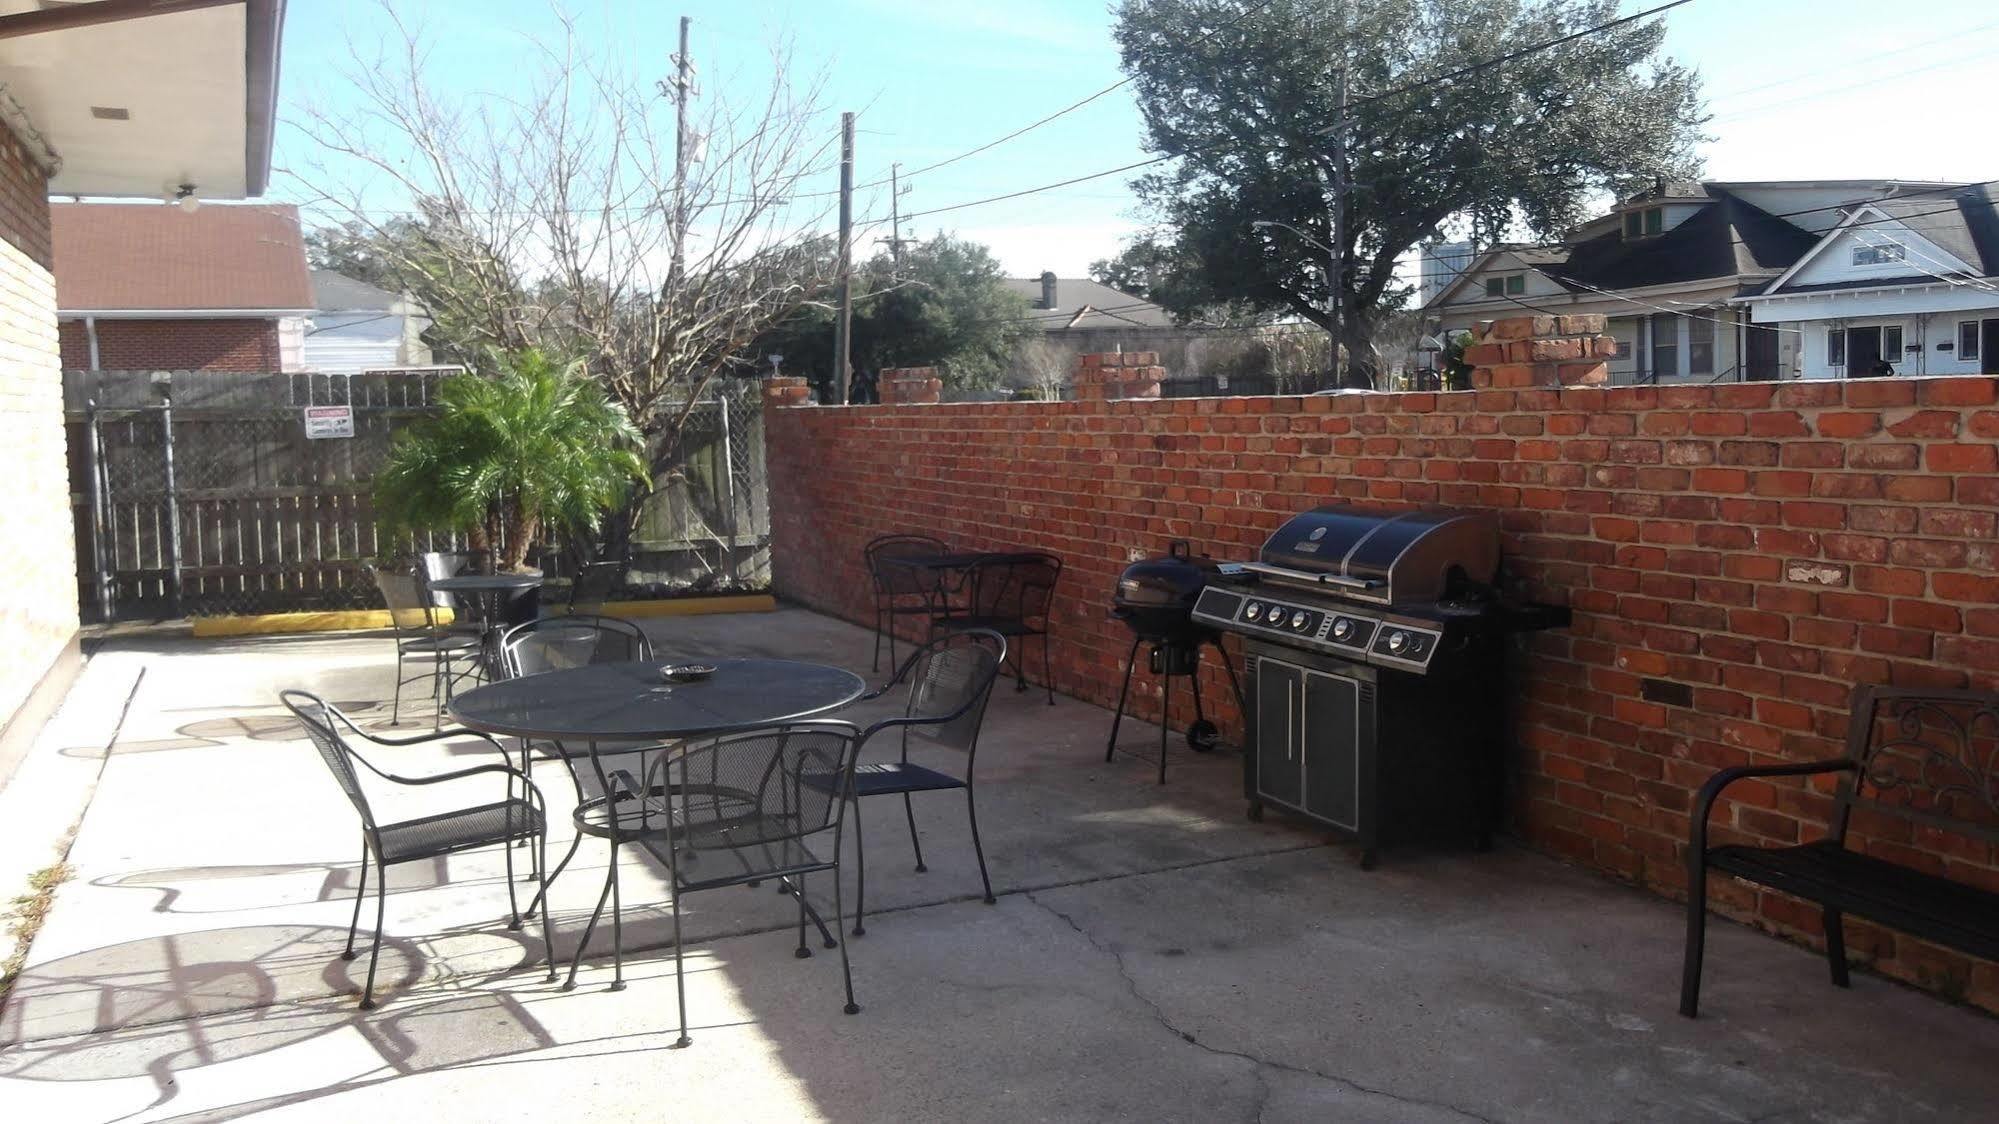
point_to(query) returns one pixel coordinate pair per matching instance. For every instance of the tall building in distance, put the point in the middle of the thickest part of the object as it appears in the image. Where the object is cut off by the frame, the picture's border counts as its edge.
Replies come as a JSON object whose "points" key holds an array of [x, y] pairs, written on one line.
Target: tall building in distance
{"points": [[1442, 264]]}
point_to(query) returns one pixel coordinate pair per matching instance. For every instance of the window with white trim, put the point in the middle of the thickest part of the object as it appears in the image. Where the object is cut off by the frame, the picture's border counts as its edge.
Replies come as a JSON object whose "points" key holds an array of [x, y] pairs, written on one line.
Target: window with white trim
{"points": [[1510, 285], [1835, 348], [1700, 345], [1967, 339], [1665, 344], [1891, 342], [1879, 253]]}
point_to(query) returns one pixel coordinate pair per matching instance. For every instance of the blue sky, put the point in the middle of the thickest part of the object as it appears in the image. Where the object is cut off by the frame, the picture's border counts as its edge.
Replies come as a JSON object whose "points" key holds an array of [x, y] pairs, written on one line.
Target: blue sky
{"points": [[1799, 89]]}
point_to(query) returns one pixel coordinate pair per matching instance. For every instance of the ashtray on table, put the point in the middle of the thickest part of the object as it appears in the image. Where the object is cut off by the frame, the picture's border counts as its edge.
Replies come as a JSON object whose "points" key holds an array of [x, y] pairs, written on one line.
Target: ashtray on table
{"points": [[686, 672]]}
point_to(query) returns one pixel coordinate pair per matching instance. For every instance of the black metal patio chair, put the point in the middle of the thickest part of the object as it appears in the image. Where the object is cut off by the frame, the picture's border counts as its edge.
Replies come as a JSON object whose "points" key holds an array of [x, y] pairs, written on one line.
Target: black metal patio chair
{"points": [[950, 681], [749, 807], [467, 613], [1011, 594], [500, 822], [902, 591], [593, 585], [558, 643], [418, 636]]}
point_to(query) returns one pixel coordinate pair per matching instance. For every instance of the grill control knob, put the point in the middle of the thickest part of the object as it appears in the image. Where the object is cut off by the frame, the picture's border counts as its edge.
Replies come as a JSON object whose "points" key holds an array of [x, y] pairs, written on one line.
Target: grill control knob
{"points": [[1397, 641], [1342, 628], [1255, 611], [1298, 619]]}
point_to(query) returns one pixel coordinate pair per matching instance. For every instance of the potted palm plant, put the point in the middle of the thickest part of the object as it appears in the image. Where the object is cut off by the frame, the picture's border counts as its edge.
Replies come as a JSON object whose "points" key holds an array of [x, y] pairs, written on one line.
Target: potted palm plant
{"points": [[523, 450]]}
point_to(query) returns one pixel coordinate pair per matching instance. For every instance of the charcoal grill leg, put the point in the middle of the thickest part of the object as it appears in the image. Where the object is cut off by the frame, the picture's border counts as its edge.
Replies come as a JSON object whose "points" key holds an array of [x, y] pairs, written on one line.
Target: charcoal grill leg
{"points": [[1165, 712], [1835, 947], [1124, 692]]}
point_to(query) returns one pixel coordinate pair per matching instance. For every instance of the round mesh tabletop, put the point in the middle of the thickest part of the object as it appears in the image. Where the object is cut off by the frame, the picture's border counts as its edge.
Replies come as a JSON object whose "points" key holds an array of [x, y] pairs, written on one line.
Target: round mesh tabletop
{"points": [[484, 583], [630, 702]]}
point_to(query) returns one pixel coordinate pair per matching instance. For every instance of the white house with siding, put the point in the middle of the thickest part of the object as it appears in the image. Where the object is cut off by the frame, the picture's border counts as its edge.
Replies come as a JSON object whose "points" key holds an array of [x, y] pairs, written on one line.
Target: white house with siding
{"points": [[1912, 282], [358, 327], [1726, 281]]}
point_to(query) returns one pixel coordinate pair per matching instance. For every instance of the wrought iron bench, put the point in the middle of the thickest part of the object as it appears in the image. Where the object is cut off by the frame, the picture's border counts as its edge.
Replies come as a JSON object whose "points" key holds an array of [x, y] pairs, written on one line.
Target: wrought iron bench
{"points": [[1923, 756]]}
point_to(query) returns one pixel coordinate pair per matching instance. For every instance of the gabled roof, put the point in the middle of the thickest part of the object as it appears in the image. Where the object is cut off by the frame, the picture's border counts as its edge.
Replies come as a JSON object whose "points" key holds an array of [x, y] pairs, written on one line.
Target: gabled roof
{"points": [[1963, 225], [1082, 303], [337, 292], [154, 257], [1728, 238]]}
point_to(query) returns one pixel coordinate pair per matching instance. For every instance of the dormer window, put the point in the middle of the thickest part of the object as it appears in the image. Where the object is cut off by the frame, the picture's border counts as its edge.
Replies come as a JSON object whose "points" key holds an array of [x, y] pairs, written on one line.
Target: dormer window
{"points": [[1880, 253], [1512, 285], [1648, 221]]}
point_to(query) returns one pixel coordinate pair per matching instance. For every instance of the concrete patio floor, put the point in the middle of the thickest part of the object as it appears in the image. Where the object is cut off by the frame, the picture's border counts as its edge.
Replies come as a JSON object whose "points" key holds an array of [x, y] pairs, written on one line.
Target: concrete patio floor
{"points": [[1153, 956]]}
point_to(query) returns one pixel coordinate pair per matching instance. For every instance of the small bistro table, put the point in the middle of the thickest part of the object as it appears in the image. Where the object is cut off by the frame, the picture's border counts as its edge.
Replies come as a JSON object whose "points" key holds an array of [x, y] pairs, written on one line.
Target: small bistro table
{"points": [[933, 571], [492, 591]]}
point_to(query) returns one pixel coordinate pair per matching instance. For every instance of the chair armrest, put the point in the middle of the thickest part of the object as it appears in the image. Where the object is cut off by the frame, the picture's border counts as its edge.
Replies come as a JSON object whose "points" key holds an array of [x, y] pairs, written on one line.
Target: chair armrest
{"points": [[1704, 802]]}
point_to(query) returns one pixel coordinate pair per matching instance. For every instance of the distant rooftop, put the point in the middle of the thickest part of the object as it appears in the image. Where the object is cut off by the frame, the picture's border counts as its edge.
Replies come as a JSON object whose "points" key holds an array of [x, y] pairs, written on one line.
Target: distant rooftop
{"points": [[1081, 303], [151, 257]]}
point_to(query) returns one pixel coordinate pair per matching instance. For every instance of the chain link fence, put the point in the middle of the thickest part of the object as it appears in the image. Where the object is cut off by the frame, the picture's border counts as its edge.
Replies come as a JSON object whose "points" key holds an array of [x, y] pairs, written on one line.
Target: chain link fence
{"points": [[200, 493]]}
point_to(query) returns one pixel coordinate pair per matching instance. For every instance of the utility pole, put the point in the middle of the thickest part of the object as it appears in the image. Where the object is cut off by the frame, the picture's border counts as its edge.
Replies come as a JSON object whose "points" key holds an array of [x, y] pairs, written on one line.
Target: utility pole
{"points": [[1339, 220], [843, 327], [683, 89], [895, 240]]}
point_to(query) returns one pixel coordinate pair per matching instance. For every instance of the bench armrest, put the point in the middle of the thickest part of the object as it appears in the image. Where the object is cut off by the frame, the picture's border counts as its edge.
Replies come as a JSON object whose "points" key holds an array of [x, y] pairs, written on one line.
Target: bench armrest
{"points": [[1704, 802]]}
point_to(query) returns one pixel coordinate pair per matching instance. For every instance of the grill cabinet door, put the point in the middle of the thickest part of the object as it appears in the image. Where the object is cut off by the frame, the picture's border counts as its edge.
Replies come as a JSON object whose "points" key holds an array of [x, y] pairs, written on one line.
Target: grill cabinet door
{"points": [[1330, 744], [1279, 764]]}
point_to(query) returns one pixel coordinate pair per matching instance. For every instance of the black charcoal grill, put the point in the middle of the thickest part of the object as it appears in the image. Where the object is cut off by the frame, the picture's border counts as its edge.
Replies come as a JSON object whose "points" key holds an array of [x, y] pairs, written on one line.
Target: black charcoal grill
{"points": [[1156, 598], [1374, 646]]}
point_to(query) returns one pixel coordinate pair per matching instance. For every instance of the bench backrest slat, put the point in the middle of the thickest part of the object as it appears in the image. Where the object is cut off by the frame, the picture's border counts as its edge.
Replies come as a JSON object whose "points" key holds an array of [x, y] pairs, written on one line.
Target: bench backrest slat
{"points": [[1927, 755]]}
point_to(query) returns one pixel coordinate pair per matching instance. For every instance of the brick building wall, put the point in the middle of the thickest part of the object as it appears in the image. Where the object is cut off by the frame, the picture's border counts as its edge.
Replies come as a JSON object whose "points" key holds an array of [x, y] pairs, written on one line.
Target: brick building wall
{"points": [[1766, 545], [38, 617], [174, 345]]}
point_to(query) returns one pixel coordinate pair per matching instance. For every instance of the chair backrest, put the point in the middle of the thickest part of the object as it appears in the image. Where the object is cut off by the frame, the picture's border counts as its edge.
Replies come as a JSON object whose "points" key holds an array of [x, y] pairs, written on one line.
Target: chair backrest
{"points": [[595, 583], [319, 719], [1014, 587], [761, 788], [1925, 754], [409, 609], [892, 579], [950, 682], [557, 643], [434, 564]]}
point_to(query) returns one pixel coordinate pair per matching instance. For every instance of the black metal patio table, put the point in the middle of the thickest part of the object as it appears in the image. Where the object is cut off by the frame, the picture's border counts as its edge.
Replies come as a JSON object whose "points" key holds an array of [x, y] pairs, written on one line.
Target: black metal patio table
{"points": [[630, 708], [491, 591], [624, 702], [938, 569]]}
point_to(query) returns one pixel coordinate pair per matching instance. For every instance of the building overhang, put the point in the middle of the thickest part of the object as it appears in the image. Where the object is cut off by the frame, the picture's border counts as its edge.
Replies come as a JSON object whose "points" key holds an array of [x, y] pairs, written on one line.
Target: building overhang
{"points": [[134, 98], [1886, 300], [180, 313]]}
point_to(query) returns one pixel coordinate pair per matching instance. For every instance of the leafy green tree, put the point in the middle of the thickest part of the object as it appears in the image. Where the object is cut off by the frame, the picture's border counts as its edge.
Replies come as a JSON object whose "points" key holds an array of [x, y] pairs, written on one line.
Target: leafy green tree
{"points": [[946, 305], [1242, 94], [532, 447]]}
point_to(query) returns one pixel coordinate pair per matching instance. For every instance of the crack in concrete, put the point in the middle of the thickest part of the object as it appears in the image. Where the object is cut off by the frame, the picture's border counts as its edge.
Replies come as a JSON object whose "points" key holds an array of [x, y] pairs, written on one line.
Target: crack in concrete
{"points": [[1257, 1063]]}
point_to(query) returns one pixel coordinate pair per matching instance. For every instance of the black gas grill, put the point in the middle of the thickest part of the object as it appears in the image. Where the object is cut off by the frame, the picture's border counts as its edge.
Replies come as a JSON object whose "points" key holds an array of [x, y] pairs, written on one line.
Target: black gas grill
{"points": [[1375, 648]]}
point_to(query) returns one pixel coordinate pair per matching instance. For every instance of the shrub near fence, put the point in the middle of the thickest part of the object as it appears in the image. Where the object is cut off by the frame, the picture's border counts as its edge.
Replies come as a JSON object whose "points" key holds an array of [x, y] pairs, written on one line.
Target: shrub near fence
{"points": [[1737, 557]]}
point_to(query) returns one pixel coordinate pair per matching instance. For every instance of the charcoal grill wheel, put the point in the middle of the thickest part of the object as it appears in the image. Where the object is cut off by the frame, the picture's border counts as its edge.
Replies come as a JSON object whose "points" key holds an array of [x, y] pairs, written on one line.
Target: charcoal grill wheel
{"points": [[1255, 812], [1203, 737]]}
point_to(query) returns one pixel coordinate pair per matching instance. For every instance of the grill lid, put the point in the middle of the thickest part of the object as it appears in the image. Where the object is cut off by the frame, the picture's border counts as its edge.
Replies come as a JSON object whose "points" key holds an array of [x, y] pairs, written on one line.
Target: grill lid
{"points": [[1384, 556]]}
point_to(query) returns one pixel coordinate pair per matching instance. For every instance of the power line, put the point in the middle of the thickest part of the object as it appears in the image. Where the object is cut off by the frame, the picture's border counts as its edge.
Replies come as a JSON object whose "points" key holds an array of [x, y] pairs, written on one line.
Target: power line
{"points": [[1874, 56], [1523, 52]]}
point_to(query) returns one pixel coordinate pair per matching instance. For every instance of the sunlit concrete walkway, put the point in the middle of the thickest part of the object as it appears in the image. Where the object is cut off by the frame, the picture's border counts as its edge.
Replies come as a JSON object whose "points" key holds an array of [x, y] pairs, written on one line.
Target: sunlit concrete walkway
{"points": [[1153, 956]]}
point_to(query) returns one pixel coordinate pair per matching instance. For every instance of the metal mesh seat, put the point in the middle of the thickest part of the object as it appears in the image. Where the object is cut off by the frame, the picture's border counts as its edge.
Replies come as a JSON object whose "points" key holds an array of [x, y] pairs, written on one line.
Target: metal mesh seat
{"points": [[413, 619], [902, 590], [441, 834], [513, 818], [733, 812], [1011, 595], [950, 681]]}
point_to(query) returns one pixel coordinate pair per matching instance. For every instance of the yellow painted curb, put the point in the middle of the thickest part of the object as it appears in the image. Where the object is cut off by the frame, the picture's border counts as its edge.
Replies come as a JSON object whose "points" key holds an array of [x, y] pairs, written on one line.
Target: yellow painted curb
{"points": [[340, 620], [345, 620], [693, 606]]}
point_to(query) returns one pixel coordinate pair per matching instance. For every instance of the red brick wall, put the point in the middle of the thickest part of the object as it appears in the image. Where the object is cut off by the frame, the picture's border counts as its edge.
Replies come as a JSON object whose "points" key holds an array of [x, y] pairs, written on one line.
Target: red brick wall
{"points": [[174, 345], [1768, 545]]}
